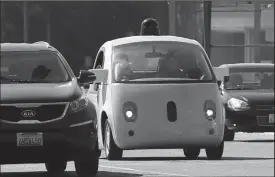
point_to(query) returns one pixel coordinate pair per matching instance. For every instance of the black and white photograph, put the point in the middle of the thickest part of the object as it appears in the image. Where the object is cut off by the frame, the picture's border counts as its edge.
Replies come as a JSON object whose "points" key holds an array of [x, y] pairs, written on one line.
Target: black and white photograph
{"points": [[145, 88]]}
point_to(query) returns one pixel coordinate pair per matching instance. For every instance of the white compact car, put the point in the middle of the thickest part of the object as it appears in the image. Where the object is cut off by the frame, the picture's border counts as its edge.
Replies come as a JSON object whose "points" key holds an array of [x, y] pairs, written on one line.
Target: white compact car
{"points": [[159, 92]]}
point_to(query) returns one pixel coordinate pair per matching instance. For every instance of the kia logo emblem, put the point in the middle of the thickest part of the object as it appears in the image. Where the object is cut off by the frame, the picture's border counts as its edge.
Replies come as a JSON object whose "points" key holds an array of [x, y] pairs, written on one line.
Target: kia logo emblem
{"points": [[28, 113]]}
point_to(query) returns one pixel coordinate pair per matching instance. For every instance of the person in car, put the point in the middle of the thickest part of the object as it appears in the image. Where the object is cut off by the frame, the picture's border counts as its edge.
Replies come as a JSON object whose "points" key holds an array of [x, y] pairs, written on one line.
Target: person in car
{"points": [[123, 69], [40, 72]]}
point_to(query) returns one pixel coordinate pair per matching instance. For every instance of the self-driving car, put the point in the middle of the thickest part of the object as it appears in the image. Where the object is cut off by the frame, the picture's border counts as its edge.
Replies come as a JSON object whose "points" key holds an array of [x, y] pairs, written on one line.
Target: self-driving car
{"points": [[45, 116], [160, 92], [248, 98]]}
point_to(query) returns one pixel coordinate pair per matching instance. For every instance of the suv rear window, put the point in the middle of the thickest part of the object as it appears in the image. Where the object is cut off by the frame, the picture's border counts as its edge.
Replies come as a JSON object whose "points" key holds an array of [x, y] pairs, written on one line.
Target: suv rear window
{"points": [[34, 67]]}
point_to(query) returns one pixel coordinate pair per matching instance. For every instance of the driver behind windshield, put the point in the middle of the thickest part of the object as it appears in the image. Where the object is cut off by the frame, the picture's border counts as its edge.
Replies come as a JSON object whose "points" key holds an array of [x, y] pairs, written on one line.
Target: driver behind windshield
{"points": [[250, 80], [39, 67], [236, 81], [40, 73], [123, 69], [180, 66], [169, 66]]}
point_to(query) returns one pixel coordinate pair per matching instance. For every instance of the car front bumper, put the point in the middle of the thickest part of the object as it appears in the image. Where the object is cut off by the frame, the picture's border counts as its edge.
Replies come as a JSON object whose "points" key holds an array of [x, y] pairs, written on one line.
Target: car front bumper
{"points": [[72, 137], [250, 121]]}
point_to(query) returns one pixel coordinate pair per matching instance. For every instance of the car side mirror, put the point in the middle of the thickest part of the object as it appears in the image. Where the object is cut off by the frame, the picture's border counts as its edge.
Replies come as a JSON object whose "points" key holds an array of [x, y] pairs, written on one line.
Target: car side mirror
{"points": [[222, 74], [86, 86], [86, 77], [101, 75]]}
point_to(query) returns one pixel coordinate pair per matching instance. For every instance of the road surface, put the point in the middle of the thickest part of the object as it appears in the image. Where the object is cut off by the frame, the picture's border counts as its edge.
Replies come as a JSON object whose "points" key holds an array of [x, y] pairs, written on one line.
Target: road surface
{"points": [[249, 155]]}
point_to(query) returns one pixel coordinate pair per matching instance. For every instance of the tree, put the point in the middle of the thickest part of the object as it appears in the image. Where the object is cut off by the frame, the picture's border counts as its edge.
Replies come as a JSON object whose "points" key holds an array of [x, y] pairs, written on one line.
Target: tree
{"points": [[190, 20]]}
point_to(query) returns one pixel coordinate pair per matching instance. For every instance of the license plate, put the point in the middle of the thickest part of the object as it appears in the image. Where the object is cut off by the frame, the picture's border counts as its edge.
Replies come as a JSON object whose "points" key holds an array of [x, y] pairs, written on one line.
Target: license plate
{"points": [[29, 139], [271, 118]]}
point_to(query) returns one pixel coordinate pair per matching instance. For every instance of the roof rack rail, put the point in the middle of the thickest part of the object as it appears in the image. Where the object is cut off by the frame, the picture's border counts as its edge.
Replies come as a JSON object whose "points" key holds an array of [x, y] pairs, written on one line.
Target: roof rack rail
{"points": [[43, 42]]}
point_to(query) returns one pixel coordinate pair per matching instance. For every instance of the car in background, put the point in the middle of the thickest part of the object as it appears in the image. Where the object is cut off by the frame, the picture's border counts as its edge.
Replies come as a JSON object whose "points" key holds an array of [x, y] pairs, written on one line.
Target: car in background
{"points": [[45, 114], [248, 98]]}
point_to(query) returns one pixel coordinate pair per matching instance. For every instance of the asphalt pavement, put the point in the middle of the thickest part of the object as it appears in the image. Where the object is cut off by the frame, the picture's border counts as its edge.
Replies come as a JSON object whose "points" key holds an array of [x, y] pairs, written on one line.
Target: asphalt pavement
{"points": [[249, 155]]}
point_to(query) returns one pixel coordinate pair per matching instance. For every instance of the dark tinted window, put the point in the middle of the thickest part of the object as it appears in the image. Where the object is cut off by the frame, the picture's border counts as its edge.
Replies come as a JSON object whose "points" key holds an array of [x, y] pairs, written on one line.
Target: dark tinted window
{"points": [[37, 67], [250, 78]]}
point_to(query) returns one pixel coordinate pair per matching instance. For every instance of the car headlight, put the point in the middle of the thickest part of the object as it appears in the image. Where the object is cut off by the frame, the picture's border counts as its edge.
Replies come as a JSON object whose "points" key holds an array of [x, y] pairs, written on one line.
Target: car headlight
{"points": [[209, 113], [210, 110], [79, 104], [130, 111], [237, 104]]}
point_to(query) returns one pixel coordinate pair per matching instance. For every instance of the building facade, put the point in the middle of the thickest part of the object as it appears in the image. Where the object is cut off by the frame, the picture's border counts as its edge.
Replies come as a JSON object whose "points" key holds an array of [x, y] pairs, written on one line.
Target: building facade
{"points": [[232, 31]]}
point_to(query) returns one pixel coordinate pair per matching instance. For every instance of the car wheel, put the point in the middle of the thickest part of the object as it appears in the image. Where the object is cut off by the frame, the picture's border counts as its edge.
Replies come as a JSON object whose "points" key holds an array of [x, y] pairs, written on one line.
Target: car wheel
{"points": [[216, 152], [56, 167], [98, 151], [111, 150], [229, 135], [191, 153], [87, 167]]}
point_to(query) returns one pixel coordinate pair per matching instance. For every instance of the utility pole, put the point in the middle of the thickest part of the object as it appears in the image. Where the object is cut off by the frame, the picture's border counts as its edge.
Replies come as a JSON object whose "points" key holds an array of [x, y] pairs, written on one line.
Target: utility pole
{"points": [[25, 19], [257, 30], [207, 26], [2, 25], [172, 17], [48, 26]]}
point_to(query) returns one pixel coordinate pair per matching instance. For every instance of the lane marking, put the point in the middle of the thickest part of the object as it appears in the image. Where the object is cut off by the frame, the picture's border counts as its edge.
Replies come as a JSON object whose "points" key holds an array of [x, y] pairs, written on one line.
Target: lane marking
{"points": [[129, 164], [200, 162], [155, 175], [141, 171], [254, 134]]}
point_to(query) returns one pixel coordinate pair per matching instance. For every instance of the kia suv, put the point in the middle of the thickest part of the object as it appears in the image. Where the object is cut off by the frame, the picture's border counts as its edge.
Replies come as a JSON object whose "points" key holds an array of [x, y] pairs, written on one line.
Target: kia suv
{"points": [[45, 116]]}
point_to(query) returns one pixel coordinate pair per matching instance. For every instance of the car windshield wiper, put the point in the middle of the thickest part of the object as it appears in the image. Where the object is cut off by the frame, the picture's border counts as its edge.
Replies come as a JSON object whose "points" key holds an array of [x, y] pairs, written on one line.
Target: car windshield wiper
{"points": [[22, 81], [240, 88]]}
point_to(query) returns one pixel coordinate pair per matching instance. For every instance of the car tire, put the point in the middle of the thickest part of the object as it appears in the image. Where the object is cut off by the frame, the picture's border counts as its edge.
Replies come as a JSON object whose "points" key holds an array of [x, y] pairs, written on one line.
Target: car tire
{"points": [[191, 153], [56, 167], [229, 135], [216, 152], [98, 151], [87, 167], [112, 151]]}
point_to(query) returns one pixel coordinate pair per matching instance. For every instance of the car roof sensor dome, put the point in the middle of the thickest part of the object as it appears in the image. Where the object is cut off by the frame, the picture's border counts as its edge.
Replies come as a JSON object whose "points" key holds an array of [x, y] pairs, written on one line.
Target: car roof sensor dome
{"points": [[150, 27]]}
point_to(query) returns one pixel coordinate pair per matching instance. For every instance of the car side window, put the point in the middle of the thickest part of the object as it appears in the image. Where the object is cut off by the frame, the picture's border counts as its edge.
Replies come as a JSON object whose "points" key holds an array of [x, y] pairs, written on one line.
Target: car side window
{"points": [[99, 61]]}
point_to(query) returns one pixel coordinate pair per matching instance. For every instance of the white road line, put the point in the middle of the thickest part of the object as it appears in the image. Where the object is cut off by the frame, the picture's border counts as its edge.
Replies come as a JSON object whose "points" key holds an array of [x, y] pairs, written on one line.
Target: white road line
{"points": [[134, 164], [154, 175], [255, 134], [141, 171]]}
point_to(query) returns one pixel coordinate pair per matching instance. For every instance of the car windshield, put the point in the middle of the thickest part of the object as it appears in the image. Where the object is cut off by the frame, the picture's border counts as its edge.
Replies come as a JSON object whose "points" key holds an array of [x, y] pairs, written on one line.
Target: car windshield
{"points": [[32, 67], [161, 61], [250, 78]]}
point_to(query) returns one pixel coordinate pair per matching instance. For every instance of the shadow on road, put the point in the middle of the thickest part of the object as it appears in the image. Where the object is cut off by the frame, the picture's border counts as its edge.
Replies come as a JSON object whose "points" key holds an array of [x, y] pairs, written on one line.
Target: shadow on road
{"points": [[183, 158], [255, 141], [69, 174]]}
